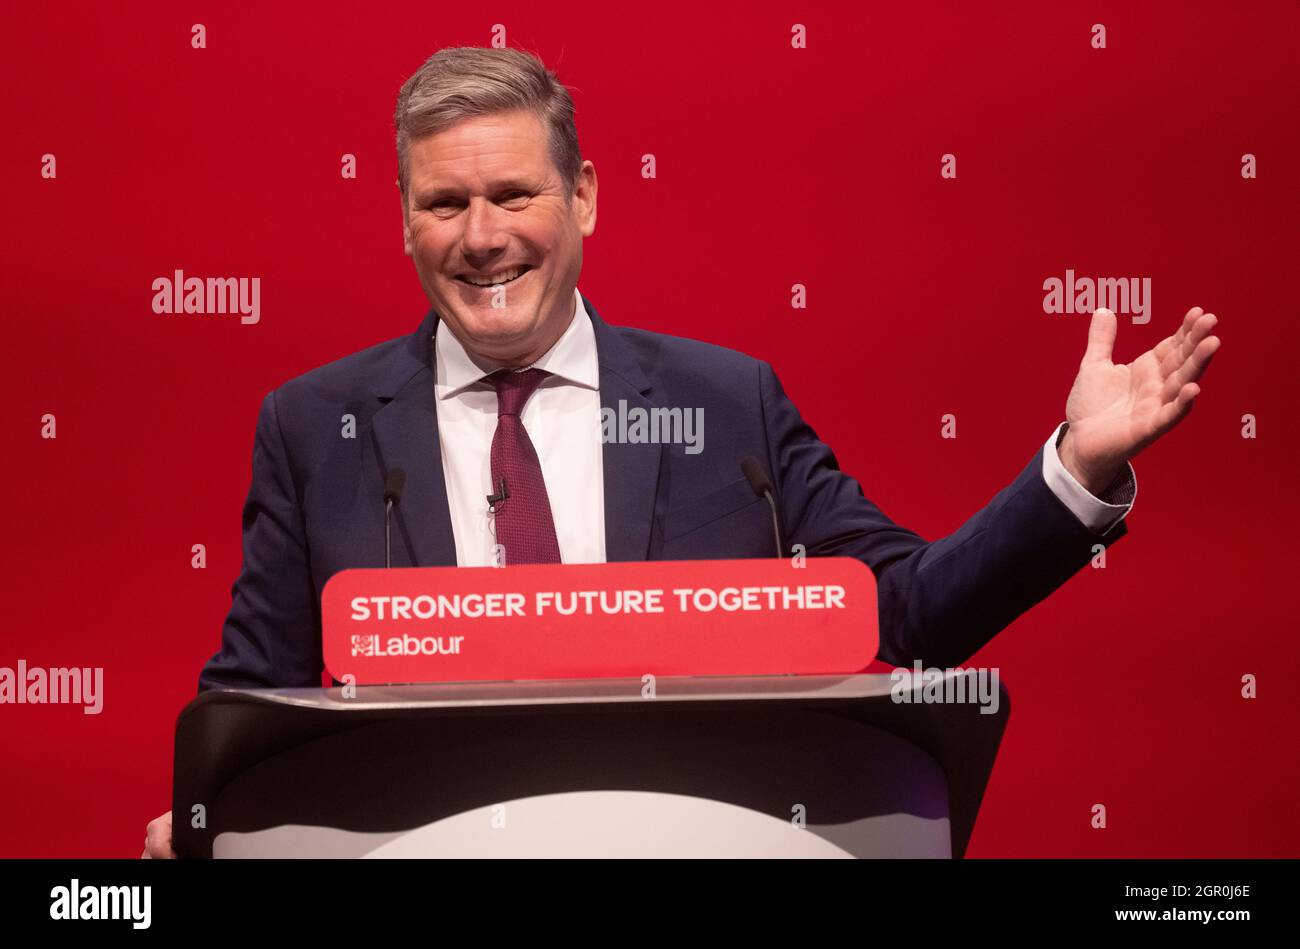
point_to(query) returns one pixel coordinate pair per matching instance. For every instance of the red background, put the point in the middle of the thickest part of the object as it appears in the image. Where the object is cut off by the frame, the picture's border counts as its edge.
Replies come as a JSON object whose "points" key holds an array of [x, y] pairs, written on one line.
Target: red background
{"points": [[775, 166]]}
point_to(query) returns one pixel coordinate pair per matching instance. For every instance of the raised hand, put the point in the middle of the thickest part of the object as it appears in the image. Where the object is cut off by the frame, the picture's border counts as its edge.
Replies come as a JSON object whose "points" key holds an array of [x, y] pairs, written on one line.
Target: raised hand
{"points": [[1115, 411]]}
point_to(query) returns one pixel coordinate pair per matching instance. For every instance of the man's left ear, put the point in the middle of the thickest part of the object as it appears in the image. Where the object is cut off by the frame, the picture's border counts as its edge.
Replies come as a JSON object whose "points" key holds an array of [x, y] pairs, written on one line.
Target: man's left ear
{"points": [[585, 194]]}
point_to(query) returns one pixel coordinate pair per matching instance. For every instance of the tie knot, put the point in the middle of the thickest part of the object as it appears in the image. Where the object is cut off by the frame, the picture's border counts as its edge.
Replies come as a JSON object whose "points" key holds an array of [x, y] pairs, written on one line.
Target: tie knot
{"points": [[514, 387]]}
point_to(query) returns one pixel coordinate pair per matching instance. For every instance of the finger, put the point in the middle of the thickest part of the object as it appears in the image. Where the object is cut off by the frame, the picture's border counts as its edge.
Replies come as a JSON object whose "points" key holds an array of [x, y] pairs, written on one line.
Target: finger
{"points": [[1101, 336], [1193, 368], [155, 837], [1186, 347], [1201, 329], [1171, 413], [1169, 343], [160, 836]]}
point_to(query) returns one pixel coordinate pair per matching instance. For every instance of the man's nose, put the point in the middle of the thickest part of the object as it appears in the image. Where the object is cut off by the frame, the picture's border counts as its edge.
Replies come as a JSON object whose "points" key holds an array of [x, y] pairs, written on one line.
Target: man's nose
{"points": [[484, 234]]}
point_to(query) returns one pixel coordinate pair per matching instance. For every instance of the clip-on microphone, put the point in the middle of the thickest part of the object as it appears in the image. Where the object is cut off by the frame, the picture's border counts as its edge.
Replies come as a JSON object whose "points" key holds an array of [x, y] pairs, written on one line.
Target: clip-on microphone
{"points": [[494, 500]]}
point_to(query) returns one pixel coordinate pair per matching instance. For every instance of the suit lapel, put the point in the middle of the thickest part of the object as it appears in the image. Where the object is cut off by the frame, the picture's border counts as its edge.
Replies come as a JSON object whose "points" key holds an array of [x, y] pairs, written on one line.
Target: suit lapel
{"points": [[405, 431], [631, 472]]}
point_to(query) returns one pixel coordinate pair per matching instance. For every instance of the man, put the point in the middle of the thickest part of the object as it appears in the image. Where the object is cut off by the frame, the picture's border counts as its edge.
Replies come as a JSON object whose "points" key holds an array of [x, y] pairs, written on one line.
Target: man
{"points": [[502, 386]]}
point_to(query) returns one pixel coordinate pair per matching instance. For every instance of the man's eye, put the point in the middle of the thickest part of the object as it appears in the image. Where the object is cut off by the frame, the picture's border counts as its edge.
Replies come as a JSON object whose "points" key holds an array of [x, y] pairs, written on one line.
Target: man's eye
{"points": [[451, 202]]}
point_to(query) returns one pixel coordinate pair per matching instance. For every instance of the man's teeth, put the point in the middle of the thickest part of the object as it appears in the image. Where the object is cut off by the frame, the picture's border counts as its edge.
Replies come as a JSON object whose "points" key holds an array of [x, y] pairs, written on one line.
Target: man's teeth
{"points": [[504, 276]]}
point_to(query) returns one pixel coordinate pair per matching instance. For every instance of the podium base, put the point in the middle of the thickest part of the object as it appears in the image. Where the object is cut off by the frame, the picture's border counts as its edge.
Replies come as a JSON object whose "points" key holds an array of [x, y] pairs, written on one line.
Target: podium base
{"points": [[601, 824]]}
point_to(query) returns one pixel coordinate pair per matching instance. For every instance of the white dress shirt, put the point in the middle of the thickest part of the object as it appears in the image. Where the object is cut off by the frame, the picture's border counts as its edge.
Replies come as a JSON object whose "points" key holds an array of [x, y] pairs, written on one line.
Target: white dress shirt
{"points": [[562, 419]]}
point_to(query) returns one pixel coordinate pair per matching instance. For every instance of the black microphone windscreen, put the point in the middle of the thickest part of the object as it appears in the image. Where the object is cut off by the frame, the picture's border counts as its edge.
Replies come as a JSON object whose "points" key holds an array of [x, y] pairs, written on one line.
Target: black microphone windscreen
{"points": [[394, 485], [757, 475]]}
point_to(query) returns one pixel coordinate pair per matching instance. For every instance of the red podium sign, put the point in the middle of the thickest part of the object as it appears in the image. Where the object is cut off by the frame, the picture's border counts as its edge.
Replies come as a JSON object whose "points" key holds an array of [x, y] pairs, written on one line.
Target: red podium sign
{"points": [[565, 621]]}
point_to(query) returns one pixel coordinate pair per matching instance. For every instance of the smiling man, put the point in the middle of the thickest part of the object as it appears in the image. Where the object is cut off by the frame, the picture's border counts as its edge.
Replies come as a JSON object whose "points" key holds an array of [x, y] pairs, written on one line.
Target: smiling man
{"points": [[499, 393], [495, 230]]}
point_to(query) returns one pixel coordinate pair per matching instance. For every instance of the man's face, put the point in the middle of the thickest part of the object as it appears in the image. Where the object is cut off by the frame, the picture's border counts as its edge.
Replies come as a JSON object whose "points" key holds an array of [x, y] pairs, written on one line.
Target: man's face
{"points": [[484, 201]]}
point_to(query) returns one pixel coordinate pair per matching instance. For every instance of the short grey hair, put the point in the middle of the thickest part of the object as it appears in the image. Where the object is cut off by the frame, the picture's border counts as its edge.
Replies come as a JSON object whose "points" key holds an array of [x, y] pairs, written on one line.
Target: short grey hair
{"points": [[462, 82]]}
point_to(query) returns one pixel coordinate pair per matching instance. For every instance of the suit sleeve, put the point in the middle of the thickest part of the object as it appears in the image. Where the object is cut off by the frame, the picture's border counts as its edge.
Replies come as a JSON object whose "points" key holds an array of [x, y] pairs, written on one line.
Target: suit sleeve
{"points": [[271, 635], [939, 601]]}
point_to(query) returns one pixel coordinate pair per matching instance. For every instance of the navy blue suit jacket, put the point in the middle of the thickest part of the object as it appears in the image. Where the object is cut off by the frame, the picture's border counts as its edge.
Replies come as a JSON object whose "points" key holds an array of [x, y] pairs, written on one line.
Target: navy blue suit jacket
{"points": [[316, 503]]}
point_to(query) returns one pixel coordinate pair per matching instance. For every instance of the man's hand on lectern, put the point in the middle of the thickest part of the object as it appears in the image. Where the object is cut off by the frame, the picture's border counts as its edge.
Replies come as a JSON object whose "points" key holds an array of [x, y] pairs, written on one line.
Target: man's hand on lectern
{"points": [[158, 839], [1116, 411]]}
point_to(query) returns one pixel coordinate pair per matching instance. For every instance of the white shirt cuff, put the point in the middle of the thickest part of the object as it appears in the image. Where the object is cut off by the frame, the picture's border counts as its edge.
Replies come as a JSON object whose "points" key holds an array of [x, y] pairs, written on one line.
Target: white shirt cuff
{"points": [[1098, 515]]}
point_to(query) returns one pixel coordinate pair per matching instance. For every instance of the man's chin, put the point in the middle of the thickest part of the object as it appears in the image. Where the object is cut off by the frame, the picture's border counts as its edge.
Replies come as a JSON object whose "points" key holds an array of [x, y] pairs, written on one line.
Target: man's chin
{"points": [[494, 338], [496, 327]]}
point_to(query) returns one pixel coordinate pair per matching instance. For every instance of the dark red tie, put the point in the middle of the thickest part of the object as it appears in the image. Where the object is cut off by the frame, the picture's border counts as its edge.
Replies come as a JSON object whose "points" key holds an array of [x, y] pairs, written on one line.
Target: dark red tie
{"points": [[524, 525]]}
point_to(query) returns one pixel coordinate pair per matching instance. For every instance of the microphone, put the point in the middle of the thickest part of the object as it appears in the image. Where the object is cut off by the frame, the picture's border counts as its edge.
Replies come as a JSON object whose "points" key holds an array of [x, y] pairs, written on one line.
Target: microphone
{"points": [[762, 485], [503, 493], [392, 495]]}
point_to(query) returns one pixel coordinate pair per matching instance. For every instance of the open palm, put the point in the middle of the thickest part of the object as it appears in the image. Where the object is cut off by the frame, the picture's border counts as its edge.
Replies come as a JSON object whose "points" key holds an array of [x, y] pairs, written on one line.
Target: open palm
{"points": [[1115, 411]]}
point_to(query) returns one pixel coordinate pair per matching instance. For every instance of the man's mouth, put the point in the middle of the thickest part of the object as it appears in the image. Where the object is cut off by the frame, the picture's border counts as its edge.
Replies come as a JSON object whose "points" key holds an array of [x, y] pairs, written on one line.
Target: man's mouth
{"points": [[494, 279]]}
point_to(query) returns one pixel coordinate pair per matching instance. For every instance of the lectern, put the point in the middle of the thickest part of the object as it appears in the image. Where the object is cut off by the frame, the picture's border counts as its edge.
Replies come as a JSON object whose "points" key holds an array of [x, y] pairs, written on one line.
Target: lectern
{"points": [[689, 766]]}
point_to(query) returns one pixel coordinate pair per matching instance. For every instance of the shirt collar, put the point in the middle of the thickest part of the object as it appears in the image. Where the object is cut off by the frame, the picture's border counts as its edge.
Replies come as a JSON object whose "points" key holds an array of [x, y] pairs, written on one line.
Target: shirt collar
{"points": [[572, 358]]}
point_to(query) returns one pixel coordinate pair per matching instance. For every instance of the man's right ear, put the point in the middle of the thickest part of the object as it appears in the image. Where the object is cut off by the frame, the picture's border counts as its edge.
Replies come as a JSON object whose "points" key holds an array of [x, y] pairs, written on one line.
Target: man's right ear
{"points": [[406, 221]]}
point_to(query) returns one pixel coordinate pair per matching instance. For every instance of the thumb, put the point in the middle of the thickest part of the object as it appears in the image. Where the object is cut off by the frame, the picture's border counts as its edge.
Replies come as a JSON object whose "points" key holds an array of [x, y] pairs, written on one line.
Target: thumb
{"points": [[1101, 336]]}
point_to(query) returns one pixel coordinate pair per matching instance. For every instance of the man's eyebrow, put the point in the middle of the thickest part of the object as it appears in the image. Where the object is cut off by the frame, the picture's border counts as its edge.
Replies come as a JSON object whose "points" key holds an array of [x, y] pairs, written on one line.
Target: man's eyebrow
{"points": [[427, 195]]}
